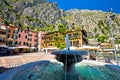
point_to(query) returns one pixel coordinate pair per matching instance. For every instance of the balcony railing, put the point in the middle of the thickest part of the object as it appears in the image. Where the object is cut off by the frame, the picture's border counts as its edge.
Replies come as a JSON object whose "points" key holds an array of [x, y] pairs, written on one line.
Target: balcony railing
{"points": [[2, 36]]}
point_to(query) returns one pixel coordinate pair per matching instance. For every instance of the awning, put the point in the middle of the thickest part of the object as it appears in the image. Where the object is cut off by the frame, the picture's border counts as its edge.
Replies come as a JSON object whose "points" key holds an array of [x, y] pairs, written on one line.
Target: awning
{"points": [[33, 47], [51, 48], [89, 48], [22, 47], [3, 45], [72, 48]]}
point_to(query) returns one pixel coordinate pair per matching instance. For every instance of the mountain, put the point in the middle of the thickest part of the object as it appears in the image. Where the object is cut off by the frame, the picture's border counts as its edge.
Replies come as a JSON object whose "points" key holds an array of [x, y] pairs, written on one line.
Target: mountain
{"points": [[36, 13], [40, 13], [93, 21]]}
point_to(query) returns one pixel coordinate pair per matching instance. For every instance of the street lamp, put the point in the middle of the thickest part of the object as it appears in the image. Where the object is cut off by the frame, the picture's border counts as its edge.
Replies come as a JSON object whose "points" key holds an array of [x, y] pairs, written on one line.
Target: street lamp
{"points": [[109, 19], [39, 42]]}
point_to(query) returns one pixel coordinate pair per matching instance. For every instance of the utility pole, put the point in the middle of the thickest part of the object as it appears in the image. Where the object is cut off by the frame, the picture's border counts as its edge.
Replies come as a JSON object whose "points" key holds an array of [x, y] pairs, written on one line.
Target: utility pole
{"points": [[109, 19]]}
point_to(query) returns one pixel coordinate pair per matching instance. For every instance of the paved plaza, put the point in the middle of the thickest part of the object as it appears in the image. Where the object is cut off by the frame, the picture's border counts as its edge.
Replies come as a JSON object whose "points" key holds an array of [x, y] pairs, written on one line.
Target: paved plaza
{"points": [[23, 58]]}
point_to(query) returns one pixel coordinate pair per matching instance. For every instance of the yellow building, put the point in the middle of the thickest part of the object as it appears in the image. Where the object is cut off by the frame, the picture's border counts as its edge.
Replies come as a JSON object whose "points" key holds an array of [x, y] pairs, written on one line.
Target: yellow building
{"points": [[77, 38], [50, 39]]}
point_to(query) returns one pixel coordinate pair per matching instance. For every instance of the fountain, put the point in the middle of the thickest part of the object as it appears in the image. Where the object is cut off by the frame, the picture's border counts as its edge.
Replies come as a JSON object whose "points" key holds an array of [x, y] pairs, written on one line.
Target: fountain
{"points": [[69, 58], [73, 67]]}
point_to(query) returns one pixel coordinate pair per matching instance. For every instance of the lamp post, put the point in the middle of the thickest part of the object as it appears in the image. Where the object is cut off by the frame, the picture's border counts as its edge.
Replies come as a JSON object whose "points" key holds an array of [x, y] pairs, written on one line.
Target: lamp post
{"points": [[39, 42], [109, 19]]}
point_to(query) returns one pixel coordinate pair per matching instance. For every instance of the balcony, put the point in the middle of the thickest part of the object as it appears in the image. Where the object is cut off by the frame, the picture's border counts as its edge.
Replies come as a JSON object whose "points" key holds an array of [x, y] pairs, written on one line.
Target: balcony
{"points": [[10, 39], [2, 36]]}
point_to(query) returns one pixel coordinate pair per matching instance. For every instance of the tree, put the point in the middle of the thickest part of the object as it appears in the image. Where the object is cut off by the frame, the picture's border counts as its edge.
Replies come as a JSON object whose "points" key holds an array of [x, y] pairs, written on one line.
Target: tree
{"points": [[59, 42], [61, 28], [102, 38], [95, 32], [49, 28], [5, 21]]}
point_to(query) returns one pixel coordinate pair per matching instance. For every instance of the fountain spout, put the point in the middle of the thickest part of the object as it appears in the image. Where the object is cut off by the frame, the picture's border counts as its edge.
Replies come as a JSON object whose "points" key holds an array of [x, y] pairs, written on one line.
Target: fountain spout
{"points": [[67, 42]]}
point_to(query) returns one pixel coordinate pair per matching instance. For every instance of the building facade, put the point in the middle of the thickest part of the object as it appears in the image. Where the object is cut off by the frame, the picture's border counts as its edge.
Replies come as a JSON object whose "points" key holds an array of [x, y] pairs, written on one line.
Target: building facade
{"points": [[18, 38], [41, 36], [77, 38], [3, 29], [11, 35], [54, 39]]}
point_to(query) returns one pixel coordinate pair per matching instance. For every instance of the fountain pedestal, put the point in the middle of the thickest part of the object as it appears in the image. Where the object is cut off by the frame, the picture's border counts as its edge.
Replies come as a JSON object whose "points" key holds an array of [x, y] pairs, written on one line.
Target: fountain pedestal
{"points": [[69, 58], [69, 61]]}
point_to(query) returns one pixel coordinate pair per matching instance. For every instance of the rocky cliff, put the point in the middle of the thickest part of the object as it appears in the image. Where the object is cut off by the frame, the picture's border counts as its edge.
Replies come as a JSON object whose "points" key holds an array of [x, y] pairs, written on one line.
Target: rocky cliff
{"points": [[37, 13], [40, 13]]}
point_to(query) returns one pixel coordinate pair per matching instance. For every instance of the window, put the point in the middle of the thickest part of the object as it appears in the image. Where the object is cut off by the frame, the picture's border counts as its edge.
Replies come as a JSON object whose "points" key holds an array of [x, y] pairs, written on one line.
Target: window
{"points": [[7, 36], [19, 30], [27, 43], [13, 43], [69, 35], [7, 42], [36, 35], [71, 43], [56, 34], [30, 44], [3, 33], [29, 39], [24, 43], [26, 31], [1, 40], [15, 32], [14, 37], [35, 40], [10, 42], [7, 30], [75, 34], [29, 34], [20, 43], [19, 35], [42, 37], [16, 43], [76, 43], [25, 36]]}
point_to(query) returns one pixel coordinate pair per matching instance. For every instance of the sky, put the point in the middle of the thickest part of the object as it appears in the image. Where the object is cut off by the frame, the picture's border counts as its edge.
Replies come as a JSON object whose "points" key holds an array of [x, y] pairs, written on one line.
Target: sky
{"points": [[103, 5]]}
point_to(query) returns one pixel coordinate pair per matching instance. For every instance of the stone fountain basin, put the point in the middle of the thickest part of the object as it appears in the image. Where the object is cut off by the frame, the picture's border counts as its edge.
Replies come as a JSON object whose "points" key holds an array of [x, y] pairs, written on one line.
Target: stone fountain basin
{"points": [[69, 52], [52, 70], [69, 56]]}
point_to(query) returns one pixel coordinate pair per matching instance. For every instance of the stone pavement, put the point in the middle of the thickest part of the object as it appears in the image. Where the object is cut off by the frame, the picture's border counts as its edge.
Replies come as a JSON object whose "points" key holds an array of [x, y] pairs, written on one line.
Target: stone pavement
{"points": [[23, 58]]}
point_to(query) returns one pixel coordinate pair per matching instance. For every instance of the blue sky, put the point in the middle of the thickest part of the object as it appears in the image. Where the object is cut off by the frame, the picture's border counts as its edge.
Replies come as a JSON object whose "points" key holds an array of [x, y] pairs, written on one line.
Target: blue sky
{"points": [[104, 5]]}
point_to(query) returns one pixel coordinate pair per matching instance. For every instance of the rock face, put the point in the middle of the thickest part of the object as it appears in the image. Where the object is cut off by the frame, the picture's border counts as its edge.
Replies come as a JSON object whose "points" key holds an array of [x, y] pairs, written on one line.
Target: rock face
{"points": [[37, 13], [93, 21]]}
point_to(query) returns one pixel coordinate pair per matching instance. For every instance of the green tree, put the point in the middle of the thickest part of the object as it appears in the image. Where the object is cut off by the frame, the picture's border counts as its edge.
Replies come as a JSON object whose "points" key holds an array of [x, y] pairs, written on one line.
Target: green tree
{"points": [[102, 38], [59, 42], [49, 28], [95, 32], [61, 28], [5, 21]]}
